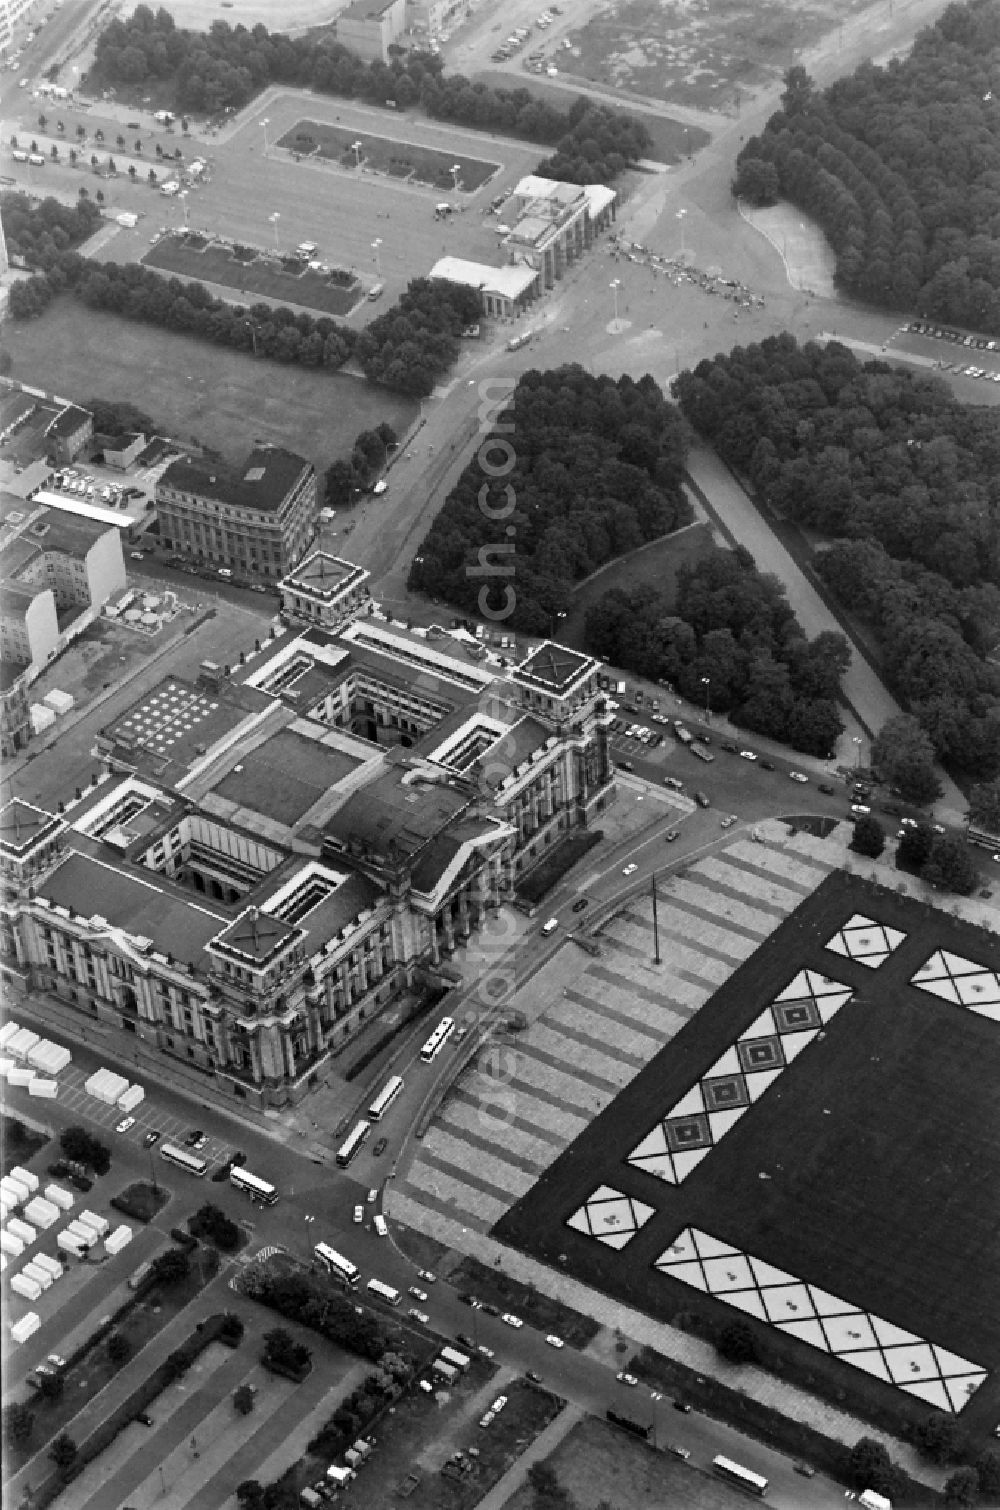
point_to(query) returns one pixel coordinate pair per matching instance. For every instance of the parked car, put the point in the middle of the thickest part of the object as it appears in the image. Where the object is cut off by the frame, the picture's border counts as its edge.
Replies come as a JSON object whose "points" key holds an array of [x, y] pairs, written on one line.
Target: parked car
{"points": [[860, 809], [827, 789], [372, 1196], [151, 1138], [630, 870], [512, 1320], [487, 1352], [417, 1294], [465, 1340], [579, 905], [629, 1379], [489, 1308], [672, 834], [730, 749], [359, 1215], [427, 1277], [498, 1404], [797, 776], [729, 821], [196, 1139], [380, 1147], [554, 1341], [747, 755], [420, 1316], [767, 765], [124, 1125]]}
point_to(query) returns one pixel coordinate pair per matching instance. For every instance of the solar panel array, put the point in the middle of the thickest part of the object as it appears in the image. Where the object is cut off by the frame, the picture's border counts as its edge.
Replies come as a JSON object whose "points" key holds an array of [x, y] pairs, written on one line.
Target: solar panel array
{"points": [[167, 716]]}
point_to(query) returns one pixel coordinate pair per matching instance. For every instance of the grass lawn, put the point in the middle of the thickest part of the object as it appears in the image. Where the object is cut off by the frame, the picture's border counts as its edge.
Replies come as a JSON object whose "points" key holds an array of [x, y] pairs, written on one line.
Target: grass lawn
{"points": [[535, 1309], [227, 399], [875, 1144], [406, 161], [289, 282], [18, 1143], [669, 140], [656, 565], [141, 1200], [595, 1462]]}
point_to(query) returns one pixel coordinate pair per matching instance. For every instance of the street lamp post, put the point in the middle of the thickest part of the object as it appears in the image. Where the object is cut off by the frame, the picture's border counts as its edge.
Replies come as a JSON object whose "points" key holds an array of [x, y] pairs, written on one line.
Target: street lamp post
{"points": [[857, 742], [264, 125], [251, 327], [615, 285], [274, 221], [706, 682], [455, 170], [356, 149], [376, 248], [556, 617], [680, 216], [656, 925]]}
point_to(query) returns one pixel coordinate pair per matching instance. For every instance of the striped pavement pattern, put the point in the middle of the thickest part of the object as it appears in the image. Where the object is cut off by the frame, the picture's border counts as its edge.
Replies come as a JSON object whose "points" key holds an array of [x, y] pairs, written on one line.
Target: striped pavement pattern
{"points": [[499, 1129]]}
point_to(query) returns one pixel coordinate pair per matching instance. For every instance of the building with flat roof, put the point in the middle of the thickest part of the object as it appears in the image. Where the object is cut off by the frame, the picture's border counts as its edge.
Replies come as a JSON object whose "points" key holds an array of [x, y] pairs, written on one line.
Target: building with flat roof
{"points": [[368, 28], [324, 590], [551, 224], [255, 520], [504, 291], [276, 854]]}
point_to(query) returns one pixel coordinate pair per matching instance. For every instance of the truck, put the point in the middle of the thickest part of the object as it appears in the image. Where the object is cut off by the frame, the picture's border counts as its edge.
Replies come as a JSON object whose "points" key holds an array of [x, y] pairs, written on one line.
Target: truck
{"points": [[684, 735], [872, 1501], [701, 752]]}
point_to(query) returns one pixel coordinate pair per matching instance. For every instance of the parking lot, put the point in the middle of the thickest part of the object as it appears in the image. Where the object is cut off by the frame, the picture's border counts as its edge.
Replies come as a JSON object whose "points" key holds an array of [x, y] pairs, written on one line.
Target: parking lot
{"points": [[953, 351], [145, 1119]]}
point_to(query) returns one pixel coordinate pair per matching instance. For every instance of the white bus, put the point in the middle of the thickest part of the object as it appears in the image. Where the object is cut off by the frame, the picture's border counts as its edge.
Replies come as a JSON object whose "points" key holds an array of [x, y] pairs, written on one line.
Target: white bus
{"points": [[355, 1138], [385, 1098], [438, 1039], [191, 1162], [753, 1483], [383, 1292], [337, 1265], [255, 1187]]}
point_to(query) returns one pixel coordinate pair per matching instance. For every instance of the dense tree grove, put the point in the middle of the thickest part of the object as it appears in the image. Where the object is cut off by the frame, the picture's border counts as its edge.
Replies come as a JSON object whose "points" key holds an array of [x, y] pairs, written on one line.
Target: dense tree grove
{"points": [[227, 65], [576, 470], [41, 231], [347, 477], [899, 166], [409, 348], [734, 625], [310, 1302], [907, 481]]}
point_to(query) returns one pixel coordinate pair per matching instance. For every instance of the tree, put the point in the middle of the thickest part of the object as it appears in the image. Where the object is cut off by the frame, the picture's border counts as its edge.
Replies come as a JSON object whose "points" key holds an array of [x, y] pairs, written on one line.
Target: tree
{"points": [[914, 847], [132, 171], [757, 181], [60, 127], [81, 132], [243, 1399], [119, 1348], [18, 1423], [984, 806], [42, 122], [51, 1386], [54, 153], [904, 754], [962, 1488], [99, 196], [797, 96], [151, 176], [940, 1438], [120, 142], [869, 837], [250, 1495], [988, 1474], [171, 1267], [63, 1451], [73, 156], [98, 135], [737, 1343], [949, 867]]}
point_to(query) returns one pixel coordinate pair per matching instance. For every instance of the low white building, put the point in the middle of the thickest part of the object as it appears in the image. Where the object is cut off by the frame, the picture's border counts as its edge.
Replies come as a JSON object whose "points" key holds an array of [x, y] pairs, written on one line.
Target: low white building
{"points": [[504, 291]]}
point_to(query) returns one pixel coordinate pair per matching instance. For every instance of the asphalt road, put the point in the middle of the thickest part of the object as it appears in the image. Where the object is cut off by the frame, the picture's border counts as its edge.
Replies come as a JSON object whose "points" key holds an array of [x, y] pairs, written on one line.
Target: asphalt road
{"points": [[317, 1203]]}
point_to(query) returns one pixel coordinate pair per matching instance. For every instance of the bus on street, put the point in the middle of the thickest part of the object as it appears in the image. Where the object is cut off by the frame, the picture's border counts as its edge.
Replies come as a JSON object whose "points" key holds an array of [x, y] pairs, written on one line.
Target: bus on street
{"points": [[438, 1039], [191, 1163], [337, 1265], [355, 1138], [385, 1098], [256, 1188], [383, 1292], [753, 1483]]}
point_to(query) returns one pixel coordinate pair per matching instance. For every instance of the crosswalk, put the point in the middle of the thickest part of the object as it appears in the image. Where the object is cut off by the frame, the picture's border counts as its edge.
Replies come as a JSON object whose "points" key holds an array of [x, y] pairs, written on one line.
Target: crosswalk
{"points": [[512, 1112]]}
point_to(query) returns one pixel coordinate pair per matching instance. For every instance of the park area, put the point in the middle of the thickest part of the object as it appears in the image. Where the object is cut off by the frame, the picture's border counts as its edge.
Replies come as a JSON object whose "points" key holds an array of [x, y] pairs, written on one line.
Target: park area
{"points": [[286, 279], [846, 1212], [654, 565], [409, 162], [225, 400]]}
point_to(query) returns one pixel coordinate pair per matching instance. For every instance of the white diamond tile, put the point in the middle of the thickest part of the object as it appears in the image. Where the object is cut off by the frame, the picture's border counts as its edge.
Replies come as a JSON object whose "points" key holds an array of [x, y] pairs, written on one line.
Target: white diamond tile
{"points": [[805, 1331], [788, 1302], [728, 1274], [690, 1159]]}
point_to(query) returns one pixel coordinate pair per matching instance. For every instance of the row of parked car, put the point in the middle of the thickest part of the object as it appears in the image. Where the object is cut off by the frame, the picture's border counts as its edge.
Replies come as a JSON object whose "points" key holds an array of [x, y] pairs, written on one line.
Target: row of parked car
{"points": [[83, 485]]}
